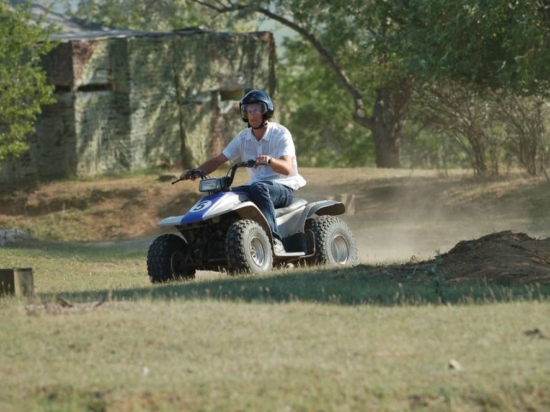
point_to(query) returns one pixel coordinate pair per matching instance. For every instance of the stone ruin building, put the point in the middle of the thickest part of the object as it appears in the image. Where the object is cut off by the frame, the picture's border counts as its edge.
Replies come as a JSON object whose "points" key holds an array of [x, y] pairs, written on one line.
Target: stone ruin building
{"points": [[129, 100]]}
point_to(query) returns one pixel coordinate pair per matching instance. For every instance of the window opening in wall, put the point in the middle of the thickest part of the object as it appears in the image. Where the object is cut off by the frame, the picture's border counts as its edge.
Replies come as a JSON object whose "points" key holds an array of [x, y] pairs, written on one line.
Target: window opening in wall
{"points": [[62, 89], [231, 94], [95, 88]]}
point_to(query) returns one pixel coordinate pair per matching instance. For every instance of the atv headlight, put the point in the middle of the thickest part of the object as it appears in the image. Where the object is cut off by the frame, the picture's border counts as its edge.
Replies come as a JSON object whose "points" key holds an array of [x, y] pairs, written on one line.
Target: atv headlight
{"points": [[210, 185]]}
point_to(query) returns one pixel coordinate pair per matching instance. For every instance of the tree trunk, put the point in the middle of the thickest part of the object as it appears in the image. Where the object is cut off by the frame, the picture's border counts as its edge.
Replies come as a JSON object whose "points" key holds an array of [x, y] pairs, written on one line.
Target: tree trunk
{"points": [[387, 123], [386, 147]]}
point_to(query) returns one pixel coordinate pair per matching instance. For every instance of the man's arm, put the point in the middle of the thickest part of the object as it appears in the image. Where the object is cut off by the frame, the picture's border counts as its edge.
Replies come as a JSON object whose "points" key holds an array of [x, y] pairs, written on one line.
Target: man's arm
{"points": [[282, 165]]}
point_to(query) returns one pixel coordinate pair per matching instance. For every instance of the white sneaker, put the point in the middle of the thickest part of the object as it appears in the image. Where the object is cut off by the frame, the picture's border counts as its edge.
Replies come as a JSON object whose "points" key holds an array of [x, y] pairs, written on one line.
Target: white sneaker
{"points": [[278, 247]]}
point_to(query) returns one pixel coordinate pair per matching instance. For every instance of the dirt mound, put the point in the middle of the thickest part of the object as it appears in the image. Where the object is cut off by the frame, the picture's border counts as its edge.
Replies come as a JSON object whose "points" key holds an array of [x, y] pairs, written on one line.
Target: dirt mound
{"points": [[503, 257]]}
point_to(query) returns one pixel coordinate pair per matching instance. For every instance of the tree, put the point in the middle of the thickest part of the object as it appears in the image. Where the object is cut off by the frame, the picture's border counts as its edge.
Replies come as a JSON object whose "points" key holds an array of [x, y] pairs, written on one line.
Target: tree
{"points": [[460, 113], [338, 33], [317, 110], [492, 44], [23, 83], [526, 123], [484, 65], [489, 126]]}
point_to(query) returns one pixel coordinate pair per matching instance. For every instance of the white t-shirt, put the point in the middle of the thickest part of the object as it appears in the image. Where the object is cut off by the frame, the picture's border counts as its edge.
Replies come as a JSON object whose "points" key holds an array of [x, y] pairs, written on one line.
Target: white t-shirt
{"points": [[276, 142]]}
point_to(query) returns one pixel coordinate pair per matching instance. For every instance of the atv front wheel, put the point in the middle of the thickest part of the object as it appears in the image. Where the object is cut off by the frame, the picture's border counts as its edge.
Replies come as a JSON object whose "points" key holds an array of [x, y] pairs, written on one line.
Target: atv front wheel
{"points": [[248, 248], [334, 242], [167, 260]]}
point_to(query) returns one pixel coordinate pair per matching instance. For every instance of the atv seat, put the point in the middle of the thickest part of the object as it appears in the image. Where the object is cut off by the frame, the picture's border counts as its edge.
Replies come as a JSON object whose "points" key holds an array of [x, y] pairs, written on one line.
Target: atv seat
{"points": [[297, 202]]}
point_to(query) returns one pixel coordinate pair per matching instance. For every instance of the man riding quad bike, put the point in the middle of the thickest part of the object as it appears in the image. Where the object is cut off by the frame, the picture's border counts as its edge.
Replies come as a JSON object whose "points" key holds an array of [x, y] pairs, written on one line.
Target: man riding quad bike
{"points": [[225, 231], [248, 228]]}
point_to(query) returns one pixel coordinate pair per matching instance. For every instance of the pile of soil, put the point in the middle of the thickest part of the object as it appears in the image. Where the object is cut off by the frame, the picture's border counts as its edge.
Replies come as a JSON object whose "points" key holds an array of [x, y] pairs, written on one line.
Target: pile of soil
{"points": [[502, 258]]}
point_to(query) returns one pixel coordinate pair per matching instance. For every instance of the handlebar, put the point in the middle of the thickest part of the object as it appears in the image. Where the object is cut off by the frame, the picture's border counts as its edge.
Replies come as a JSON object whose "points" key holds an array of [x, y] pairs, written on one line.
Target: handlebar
{"points": [[192, 173], [231, 173], [248, 163]]}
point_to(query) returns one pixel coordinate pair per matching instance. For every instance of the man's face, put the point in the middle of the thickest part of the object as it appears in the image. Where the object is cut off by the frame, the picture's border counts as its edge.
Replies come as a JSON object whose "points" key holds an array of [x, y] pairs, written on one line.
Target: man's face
{"points": [[255, 114]]}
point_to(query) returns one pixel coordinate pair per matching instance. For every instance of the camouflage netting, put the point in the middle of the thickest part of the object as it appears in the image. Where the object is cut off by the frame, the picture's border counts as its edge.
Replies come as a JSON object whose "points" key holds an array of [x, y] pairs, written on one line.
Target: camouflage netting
{"points": [[132, 102]]}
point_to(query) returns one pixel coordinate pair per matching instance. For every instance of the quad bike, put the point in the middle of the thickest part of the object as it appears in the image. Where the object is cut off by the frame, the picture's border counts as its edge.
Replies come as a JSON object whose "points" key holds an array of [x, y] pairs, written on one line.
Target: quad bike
{"points": [[224, 231]]}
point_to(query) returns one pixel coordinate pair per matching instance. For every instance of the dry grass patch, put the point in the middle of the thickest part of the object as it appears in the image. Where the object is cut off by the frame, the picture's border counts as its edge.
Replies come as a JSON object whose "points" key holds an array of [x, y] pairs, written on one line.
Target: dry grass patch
{"points": [[213, 355], [97, 336]]}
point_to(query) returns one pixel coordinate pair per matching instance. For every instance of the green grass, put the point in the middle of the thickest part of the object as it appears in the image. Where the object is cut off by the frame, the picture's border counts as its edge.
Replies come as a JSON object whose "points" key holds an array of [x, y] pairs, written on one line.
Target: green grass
{"points": [[303, 339]]}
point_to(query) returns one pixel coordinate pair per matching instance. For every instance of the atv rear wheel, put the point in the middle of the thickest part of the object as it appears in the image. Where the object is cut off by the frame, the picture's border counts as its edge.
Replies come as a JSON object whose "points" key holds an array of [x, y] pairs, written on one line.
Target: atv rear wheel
{"points": [[248, 248], [167, 260], [334, 242]]}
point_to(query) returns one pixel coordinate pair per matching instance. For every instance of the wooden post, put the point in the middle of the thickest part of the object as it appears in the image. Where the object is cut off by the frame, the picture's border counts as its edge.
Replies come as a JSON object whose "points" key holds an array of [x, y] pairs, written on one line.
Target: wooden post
{"points": [[24, 282], [6, 282]]}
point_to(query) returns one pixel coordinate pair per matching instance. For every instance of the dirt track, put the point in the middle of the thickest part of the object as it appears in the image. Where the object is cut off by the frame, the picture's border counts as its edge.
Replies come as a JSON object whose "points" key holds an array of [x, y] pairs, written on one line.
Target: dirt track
{"points": [[491, 228]]}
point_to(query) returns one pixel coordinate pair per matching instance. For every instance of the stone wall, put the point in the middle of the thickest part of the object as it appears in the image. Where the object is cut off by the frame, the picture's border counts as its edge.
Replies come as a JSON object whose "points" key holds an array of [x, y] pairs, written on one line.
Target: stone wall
{"points": [[147, 99]]}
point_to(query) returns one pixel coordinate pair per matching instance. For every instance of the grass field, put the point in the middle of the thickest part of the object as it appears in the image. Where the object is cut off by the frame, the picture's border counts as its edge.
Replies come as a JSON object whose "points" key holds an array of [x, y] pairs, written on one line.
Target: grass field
{"points": [[98, 336]]}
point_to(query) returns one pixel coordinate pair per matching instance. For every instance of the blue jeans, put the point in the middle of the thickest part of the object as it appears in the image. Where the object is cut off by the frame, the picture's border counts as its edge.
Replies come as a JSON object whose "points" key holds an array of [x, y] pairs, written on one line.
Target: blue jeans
{"points": [[268, 196]]}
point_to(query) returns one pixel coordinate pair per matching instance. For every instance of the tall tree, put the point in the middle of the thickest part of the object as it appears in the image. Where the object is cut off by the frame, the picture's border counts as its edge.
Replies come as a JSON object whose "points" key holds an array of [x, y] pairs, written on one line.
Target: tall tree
{"points": [[317, 110], [337, 32], [23, 83]]}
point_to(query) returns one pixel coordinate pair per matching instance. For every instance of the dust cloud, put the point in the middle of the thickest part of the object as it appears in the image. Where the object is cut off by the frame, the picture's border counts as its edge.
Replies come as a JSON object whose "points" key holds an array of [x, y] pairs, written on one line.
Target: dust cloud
{"points": [[415, 215]]}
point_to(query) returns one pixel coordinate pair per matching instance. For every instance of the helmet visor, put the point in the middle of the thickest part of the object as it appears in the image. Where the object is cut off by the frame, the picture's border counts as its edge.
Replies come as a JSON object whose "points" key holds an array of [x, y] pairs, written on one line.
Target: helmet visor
{"points": [[251, 109]]}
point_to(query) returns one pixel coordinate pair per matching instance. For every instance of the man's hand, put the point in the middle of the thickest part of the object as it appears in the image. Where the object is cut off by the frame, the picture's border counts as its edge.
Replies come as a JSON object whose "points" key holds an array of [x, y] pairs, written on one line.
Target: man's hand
{"points": [[192, 174], [263, 160]]}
